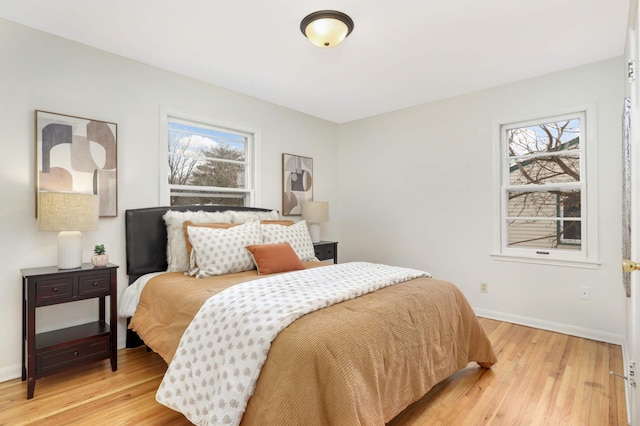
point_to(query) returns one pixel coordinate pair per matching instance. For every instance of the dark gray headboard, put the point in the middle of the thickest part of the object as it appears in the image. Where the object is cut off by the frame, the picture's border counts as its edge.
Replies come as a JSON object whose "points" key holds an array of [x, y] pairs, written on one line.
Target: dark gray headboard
{"points": [[146, 236]]}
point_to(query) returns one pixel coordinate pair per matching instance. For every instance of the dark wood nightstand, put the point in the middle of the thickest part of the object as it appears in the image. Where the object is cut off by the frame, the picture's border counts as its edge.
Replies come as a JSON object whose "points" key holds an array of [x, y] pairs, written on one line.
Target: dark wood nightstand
{"points": [[47, 353], [326, 250]]}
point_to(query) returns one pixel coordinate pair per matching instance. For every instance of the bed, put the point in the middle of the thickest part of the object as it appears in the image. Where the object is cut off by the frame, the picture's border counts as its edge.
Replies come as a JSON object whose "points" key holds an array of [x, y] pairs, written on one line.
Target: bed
{"points": [[360, 360]]}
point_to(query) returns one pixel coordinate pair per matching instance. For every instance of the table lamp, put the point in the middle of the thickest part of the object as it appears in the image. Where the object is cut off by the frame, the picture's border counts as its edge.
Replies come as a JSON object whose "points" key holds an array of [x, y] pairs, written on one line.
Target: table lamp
{"points": [[68, 214], [315, 212]]}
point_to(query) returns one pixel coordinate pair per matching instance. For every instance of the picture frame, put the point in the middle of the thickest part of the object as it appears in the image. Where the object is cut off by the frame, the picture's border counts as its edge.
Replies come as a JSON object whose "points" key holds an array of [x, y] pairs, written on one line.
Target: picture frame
{"points": [[79, 155], [297, 183]]}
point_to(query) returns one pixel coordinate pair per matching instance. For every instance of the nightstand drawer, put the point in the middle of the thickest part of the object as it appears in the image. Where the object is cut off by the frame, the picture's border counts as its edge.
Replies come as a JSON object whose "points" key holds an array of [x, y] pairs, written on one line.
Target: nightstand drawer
{"points": [[54, 291], [94, 285], [324, 252], [51, 360]]}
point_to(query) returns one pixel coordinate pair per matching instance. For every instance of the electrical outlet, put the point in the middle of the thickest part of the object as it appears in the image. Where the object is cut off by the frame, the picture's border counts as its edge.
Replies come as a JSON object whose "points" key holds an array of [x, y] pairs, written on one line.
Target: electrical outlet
{"points": [[484, 287], [584, 292]]}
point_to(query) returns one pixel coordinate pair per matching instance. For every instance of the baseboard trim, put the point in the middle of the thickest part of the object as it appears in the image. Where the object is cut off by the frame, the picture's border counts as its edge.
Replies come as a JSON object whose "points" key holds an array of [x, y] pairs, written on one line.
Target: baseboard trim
{"points": [[11, 372], [571, 330]]}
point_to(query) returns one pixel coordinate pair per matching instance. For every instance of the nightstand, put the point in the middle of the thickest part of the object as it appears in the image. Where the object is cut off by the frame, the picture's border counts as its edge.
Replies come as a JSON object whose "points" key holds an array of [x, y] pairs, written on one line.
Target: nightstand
{"points": [[326, 250], [50, 352]]}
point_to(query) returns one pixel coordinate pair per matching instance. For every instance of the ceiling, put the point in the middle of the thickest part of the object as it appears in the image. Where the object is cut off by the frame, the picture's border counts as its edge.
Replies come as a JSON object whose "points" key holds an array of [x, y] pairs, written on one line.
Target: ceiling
{"points": [[400, 54]]}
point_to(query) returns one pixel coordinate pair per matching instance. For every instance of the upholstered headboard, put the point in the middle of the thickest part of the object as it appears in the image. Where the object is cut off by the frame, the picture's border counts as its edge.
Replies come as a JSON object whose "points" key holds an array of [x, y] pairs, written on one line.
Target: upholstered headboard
{"points": [[146, 236]]}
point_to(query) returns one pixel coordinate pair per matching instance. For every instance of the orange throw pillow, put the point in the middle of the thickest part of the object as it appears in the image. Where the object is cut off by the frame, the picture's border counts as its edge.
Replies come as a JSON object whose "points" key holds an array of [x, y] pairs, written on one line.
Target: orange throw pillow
{"points": [[272, 258]]}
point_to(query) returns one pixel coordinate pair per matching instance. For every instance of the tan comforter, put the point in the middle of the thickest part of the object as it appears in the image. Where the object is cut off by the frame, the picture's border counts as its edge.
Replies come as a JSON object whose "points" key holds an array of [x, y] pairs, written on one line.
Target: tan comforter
{"points": [[357, 362]]}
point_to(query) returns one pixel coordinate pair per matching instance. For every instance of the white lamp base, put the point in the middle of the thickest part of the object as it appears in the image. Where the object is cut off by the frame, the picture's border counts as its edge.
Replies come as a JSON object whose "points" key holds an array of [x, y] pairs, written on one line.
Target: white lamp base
{"points": [[69, 249], [314, 231]]}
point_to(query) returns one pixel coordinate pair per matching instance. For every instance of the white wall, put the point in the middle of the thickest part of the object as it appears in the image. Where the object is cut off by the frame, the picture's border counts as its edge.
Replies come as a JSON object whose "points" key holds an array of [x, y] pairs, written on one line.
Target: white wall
{"points": [[416, 190], [40, 71], [412, 187]]}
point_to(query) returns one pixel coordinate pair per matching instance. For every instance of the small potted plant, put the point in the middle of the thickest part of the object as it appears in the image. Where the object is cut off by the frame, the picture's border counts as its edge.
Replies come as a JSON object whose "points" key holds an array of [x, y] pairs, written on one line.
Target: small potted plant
{"points": [[100, 256]]}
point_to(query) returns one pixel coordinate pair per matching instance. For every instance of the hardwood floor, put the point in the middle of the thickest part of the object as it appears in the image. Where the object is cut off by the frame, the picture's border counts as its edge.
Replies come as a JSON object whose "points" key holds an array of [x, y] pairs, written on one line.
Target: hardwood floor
{"points": [[541, 378]]}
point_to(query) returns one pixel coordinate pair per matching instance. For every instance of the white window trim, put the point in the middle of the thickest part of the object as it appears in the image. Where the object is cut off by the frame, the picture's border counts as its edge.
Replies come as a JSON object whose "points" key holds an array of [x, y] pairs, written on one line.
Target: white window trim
{"points": [[588, 257], [253, 175]]}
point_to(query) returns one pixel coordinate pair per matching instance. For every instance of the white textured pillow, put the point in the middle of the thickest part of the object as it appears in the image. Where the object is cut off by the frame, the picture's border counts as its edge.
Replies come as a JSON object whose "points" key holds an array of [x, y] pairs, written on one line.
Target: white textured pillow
{"points": [[218, 251], [248, 216], [177, 259], [296, 235]]}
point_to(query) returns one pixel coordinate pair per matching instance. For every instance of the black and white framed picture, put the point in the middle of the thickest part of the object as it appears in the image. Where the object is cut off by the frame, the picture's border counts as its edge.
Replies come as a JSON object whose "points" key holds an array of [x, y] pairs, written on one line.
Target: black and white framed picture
{"points": [[297, 183], [77, 155]]}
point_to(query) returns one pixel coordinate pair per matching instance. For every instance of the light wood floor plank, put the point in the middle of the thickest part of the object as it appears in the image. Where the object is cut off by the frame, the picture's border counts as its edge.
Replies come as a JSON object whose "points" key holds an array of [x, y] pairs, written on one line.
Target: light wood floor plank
{"points": [[541, 378]]}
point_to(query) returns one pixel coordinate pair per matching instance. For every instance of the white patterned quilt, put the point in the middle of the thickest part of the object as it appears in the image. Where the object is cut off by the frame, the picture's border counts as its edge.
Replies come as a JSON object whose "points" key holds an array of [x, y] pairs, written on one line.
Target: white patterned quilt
{"points": [[220, 356]]}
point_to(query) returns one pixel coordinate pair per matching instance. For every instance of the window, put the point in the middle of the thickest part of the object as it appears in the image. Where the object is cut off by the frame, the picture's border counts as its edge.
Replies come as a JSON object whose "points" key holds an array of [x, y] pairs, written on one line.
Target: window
{"points": [[569, 232], [544, 210], [208, 164]]}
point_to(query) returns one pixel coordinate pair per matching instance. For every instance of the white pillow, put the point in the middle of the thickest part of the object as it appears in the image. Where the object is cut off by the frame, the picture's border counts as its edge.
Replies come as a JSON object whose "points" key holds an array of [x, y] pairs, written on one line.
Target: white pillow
{"points": [[218, 251], [296, 235], [248, 216], [176, 245]]}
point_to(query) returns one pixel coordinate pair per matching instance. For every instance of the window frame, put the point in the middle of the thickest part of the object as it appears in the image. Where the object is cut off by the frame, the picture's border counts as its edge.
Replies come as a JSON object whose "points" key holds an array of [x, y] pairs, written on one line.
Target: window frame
{"points": [[252, 169], [587, 256]]}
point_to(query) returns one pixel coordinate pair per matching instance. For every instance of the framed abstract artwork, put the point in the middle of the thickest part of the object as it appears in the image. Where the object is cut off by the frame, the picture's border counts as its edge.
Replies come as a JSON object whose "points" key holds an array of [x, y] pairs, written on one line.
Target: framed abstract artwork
{"points": [[75, 154], [297, 183]]}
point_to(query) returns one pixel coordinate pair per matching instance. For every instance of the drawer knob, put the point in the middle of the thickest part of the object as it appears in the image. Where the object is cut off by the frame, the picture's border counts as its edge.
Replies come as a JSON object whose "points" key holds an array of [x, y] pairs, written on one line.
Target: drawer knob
{"points": [[54, 289], [75, 353], [95, 284]]}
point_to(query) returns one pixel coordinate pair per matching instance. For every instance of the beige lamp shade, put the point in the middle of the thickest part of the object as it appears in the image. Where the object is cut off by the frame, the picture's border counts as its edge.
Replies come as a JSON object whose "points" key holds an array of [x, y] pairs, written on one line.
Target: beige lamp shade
{"points": [[68, 214], [64, 211], [315, 212]]}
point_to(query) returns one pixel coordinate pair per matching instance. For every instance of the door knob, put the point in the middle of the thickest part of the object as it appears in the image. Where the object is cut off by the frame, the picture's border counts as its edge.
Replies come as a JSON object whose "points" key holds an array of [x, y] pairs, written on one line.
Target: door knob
{"points": [[630, 265]]}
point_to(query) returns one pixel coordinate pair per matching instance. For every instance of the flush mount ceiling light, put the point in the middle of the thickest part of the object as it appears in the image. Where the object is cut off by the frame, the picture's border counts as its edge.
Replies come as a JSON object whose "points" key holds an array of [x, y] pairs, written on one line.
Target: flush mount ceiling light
{"points": [[326, 28]]}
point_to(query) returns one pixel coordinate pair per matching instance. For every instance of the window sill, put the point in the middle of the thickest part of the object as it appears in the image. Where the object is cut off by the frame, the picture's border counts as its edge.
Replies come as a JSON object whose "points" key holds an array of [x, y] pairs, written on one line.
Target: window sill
{"points": [[557, 261]]}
